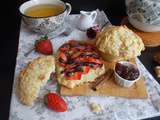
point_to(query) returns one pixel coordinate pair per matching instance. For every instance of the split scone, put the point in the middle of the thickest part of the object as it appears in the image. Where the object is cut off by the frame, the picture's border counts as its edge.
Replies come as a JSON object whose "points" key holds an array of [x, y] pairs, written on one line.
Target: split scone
{"points": [[32, 77], [78, 63]]}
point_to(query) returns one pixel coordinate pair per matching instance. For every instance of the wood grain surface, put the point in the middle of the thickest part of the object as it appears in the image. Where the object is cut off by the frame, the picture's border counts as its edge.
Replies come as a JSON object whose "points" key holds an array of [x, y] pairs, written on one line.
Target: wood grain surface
{"points": [[110, 88]]}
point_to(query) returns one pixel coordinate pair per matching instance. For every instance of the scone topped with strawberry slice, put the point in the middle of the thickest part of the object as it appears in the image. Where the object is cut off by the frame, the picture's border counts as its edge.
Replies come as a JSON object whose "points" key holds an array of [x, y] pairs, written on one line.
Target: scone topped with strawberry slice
{"points": [[78, 63]]}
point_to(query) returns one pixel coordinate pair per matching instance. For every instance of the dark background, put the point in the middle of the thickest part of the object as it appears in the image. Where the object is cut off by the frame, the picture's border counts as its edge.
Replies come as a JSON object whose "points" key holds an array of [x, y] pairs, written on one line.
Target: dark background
{"points": [[9, 36]]}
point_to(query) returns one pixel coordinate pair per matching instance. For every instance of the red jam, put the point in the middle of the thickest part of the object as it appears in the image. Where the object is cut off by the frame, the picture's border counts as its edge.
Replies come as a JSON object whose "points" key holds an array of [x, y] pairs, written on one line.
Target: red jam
{"points": [[129, 72]]}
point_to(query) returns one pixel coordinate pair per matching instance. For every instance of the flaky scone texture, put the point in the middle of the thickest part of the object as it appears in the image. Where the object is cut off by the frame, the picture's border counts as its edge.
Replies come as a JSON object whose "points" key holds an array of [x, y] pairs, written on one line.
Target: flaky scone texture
{"points": [[33, 77], [119, 41]]}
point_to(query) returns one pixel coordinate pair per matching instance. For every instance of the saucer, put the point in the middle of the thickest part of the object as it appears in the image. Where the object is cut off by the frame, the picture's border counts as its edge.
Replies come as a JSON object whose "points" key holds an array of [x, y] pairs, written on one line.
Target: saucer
{"points": [[56, 33]]}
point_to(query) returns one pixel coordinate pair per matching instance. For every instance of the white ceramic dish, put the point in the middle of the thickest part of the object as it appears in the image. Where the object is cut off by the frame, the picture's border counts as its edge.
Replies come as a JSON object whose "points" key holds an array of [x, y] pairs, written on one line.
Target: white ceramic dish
{"points": [[124, 82], [144, 26]]}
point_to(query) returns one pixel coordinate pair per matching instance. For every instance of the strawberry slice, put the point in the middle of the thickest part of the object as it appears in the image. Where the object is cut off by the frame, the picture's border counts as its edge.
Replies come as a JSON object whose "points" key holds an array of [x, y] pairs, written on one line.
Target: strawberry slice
{"points": [[63, 56], [64, 47], [95, 66], [62, 64], [80, 48], [70, 66], [76, 55], [97, 61], [44, 46], [86, 69], [75, 76], [55, 102]]}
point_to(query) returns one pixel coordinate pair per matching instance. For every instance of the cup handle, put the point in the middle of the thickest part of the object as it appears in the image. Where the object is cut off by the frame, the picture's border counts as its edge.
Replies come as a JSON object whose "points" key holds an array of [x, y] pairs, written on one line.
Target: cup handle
{"points": [[68, 8], [94, 15]]}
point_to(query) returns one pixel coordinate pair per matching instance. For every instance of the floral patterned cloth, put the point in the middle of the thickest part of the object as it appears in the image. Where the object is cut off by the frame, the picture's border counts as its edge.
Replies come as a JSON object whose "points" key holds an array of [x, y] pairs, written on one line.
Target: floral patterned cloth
{"points": [[113, 108]]}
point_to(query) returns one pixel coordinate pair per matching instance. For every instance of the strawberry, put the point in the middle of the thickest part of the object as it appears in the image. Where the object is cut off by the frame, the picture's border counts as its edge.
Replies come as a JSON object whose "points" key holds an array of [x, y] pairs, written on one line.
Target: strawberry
{"points": [[75, 76], [64, 47], [63, 56], [86, 69], [55, 102], [44, 46], [97, 61]]}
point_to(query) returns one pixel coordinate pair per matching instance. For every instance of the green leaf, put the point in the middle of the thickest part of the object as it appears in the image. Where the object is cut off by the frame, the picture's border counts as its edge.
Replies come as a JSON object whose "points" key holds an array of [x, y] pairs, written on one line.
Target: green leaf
{"points": [[45, 37]]}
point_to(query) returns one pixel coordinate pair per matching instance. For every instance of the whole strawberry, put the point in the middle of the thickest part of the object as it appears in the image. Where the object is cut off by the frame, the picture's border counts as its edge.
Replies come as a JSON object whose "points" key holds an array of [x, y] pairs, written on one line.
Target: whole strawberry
{"points": [[44, 46], [55, 102]]}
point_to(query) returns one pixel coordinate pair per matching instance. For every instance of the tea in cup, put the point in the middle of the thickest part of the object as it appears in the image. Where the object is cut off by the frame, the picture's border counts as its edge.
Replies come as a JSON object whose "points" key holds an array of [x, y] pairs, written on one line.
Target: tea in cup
{"points": [[44, 16]]}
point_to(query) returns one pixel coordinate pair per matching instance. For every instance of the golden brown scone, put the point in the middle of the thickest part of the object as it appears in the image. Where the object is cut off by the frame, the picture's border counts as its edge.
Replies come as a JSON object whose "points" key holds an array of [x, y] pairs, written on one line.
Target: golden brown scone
{"points": [[157, 57], [32, 77], [70, 69], [119, 42], [157, 70]]}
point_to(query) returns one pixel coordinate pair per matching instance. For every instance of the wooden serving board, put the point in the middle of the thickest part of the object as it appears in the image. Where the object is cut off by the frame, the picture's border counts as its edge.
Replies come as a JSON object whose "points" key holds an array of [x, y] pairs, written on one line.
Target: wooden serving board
{"points": [[150, 39], [110, 88]]}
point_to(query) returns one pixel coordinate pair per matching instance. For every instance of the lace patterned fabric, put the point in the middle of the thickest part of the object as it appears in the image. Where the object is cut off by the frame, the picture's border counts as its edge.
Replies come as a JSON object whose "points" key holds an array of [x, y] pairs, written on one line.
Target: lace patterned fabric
{"points": [[114, 108]]}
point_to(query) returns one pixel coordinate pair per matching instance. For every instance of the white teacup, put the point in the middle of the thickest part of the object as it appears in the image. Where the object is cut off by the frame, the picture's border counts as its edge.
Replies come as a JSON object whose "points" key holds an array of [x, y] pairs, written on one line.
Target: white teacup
{"points": [[44, 25]]}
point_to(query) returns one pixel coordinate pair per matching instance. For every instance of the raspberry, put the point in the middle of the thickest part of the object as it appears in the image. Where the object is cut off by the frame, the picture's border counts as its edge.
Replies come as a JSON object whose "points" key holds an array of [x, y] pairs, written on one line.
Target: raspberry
{"points": [[92, 32]]}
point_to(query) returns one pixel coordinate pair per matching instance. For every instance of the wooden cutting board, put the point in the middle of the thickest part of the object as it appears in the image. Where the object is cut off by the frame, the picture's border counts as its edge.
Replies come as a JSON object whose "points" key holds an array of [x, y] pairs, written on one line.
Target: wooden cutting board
{"points": [[110, 88], [150, 39]]}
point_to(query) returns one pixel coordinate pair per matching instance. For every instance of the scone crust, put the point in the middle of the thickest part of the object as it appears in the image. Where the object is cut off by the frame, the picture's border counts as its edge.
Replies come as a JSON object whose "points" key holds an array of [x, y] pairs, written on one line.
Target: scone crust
{"points": [[119, 41], [32, 77], [157, 70]]}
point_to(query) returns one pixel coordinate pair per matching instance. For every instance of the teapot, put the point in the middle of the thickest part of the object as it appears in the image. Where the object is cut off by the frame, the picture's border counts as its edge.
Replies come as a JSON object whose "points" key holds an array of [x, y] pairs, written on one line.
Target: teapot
{"points": [[86, 19], [144, 14]]}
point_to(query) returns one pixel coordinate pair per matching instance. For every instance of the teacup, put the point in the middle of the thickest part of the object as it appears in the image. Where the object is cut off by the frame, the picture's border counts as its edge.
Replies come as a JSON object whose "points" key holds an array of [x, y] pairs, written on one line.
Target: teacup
{"points": [[44, 25]]}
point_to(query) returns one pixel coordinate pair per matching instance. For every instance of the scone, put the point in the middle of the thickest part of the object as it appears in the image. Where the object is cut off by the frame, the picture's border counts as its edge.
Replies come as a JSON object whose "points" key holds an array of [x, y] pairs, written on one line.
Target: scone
{"points": [[157, 71], [119, 43], [33, 77], [78, 63]]}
